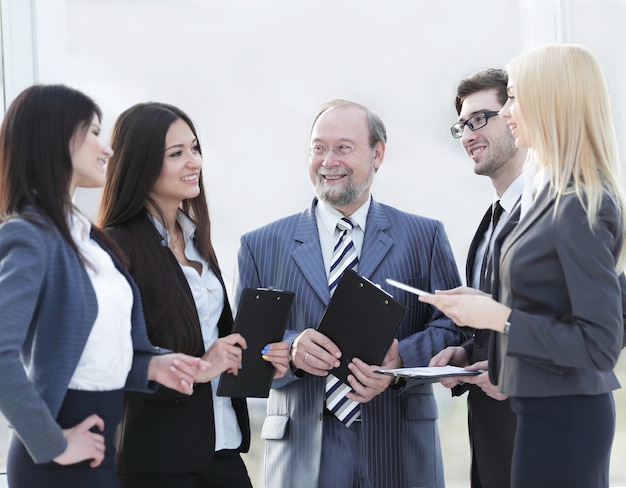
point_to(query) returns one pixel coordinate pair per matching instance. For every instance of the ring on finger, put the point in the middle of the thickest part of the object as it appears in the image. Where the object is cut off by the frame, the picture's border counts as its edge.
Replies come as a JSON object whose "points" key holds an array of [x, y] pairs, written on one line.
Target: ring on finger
{"points": [[306, 357]]}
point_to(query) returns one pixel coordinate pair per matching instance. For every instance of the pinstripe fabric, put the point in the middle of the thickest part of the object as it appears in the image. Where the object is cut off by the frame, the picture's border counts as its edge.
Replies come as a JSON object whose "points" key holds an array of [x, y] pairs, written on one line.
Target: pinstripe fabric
{"points": [[398, 430]]}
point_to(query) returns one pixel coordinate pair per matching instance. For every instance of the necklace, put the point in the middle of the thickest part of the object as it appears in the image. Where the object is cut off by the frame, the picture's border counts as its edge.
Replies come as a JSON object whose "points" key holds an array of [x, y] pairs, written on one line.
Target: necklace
{"points": [[173, 244]]}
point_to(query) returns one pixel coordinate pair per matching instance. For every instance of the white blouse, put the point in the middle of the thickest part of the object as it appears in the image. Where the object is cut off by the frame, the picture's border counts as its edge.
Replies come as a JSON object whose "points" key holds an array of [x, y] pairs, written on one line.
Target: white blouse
{"points": [[108, 353]]}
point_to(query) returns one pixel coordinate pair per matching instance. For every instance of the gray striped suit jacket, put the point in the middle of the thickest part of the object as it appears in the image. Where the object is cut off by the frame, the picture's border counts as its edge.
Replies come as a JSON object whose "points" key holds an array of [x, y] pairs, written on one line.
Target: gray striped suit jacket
{"points": [[399, 429]]}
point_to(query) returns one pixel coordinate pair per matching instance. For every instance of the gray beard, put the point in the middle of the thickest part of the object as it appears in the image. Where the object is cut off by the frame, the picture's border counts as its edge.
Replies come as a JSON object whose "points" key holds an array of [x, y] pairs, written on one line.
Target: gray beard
{"points": [[346, 195]]}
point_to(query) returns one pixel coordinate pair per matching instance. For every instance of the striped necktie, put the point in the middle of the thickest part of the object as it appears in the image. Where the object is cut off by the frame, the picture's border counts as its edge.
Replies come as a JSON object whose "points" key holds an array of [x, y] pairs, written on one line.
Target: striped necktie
{"points": [[344, 257]]}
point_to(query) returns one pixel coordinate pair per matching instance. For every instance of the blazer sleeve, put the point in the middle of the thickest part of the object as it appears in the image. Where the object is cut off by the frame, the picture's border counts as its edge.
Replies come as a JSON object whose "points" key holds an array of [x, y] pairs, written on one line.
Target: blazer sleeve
{"points": [[592, 335], [23, 263], [439, 331]]}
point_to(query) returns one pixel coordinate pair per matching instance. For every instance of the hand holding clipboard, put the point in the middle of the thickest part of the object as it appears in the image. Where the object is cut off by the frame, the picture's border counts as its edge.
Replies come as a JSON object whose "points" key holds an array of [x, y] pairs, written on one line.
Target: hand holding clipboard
{"points": [[362, 320]]}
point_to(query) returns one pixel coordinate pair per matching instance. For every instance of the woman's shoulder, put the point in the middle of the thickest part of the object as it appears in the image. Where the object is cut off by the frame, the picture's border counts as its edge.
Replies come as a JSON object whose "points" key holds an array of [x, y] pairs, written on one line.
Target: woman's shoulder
{"points": [[28, 225]]}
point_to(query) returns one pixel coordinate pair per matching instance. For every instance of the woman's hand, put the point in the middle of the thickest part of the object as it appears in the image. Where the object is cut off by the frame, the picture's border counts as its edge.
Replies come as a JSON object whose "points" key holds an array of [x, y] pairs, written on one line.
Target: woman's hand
{"points": [[468, 309], [176, 371], [82, 444], [223, 355], [482, 381], [277, 353]]}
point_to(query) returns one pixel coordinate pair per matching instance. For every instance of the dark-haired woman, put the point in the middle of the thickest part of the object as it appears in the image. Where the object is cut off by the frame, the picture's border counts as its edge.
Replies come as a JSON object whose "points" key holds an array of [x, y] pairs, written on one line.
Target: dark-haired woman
{"points": [[71, 317], [154, 206]]}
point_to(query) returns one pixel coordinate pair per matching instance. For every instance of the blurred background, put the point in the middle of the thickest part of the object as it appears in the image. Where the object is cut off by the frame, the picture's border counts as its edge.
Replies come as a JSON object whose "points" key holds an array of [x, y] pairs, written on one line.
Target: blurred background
{"points": [[252, 74]]}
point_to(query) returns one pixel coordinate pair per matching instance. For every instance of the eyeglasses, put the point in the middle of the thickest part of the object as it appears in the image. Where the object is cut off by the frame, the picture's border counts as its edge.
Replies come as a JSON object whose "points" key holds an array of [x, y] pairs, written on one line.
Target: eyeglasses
{"points": [[321, 151], [475, 122]]}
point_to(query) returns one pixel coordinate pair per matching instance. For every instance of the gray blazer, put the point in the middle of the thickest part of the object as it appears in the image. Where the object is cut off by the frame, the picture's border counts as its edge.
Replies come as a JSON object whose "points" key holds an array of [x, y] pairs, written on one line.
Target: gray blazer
{"points": [[399, 427], [48, 309], [567, 323]]}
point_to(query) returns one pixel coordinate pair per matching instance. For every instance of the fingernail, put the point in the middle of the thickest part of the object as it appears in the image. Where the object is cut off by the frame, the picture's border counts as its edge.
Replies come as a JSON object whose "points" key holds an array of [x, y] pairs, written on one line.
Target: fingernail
{"points": [[265, 357], [265, 350]]}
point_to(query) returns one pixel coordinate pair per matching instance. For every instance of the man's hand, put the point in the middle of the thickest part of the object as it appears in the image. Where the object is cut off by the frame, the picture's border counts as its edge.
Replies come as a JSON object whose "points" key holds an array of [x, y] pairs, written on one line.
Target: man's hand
{"points": [[314, 353], [365, 382], [454, 355]]}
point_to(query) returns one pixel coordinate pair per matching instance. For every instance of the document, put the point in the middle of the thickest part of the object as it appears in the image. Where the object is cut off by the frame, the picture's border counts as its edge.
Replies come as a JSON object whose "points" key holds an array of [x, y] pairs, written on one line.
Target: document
{"points": [[430, 373], [261, 319], [405, 287], [362, 320]]}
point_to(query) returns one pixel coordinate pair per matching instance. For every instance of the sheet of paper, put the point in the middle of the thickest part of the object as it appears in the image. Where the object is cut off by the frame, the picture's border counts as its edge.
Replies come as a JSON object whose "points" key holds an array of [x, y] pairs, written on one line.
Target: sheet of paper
{"points": [[405, 287], [433, 372]]}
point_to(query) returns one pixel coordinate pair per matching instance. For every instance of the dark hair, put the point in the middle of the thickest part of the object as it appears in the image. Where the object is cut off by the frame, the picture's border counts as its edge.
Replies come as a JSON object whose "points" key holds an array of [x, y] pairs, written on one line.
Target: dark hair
{"points": [[378, 132], [491, 78], [138, 142], [35, 159]]}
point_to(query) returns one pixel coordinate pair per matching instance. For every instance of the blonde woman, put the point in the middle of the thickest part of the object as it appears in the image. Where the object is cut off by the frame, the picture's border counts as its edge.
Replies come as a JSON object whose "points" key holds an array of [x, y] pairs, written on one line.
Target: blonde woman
{"points": [[558, 285]]}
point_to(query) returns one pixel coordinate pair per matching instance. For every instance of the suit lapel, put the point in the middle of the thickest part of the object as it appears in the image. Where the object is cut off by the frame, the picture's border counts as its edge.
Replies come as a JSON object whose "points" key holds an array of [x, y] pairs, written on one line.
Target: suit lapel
{"points": [[511, 232], [543, 203], [376, 241], [471, 254], [307, 254]]}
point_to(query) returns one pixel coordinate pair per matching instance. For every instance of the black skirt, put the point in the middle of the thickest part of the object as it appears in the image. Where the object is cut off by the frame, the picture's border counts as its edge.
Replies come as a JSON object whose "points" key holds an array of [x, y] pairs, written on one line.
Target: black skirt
{"points": [[22, 472]]}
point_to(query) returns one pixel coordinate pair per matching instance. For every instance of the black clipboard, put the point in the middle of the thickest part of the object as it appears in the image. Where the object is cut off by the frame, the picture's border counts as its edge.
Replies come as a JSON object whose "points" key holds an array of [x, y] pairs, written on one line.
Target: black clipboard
{"points": [[362, 320], [261, 319]]}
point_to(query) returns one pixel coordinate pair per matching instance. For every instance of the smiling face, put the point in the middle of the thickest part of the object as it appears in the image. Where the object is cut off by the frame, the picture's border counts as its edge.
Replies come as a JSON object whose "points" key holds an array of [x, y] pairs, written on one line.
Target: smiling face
{"points": [[491, 146], [89, 157], [512, 114], [344, 181], [180, 173]]}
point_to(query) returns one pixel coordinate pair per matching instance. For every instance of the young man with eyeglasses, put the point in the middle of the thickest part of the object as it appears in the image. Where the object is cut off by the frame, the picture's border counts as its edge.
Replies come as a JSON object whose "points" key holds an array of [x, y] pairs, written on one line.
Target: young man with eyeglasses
{"points": [[394, 442], [488, 142]]}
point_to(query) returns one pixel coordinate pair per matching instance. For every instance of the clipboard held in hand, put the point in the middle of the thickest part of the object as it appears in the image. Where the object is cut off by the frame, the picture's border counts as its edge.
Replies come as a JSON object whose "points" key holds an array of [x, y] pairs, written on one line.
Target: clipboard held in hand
{"points": [[261, 319], [361, 319]]}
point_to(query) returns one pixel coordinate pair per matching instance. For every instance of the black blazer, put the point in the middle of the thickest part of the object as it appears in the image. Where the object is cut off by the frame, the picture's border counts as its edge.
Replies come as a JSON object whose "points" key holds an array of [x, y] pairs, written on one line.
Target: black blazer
{"points": [[167, 432], [491, 422]]}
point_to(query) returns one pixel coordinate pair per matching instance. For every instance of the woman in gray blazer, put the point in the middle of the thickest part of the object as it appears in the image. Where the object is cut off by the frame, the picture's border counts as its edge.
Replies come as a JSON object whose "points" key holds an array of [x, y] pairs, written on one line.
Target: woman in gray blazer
{"points": [[558, 283], [73, 334]]}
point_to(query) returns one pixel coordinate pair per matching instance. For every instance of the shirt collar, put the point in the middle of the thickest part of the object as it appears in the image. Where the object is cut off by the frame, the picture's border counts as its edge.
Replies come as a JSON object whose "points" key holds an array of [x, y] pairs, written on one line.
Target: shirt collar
{"points": [[511, 195], [330, 215], [187, 226], [80, 227]]}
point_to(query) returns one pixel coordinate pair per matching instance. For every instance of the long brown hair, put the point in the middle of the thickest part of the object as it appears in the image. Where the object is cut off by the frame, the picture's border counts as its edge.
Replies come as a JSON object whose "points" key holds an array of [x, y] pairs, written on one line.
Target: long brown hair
{"points": [[138, 142]]}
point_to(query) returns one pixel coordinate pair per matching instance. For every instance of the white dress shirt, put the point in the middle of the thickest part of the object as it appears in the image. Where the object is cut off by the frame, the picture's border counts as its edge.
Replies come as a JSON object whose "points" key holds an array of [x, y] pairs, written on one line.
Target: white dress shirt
{"points": [[508, 199], [327, 218], [108, 354]]}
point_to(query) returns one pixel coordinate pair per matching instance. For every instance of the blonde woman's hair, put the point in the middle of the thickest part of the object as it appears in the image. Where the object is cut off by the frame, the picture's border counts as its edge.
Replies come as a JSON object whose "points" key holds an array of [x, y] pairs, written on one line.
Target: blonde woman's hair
{"points": [[564, 99]]}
